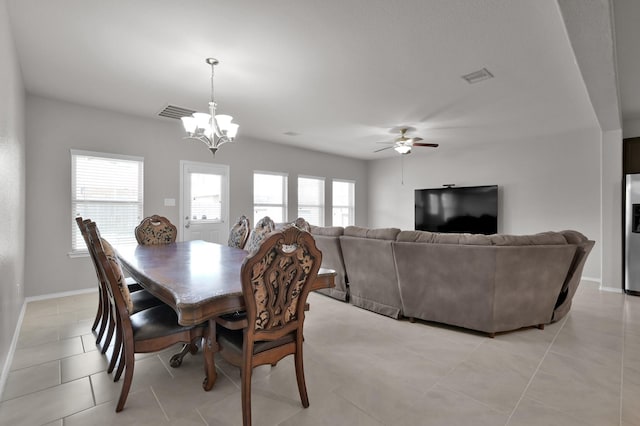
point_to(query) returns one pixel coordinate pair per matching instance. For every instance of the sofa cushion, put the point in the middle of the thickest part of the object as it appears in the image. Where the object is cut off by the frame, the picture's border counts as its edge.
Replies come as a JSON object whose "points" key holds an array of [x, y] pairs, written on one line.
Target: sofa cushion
{"points": [[574, 237], [328, 231], [416, 236], [443, 238], [543, 238], [379, 234]]}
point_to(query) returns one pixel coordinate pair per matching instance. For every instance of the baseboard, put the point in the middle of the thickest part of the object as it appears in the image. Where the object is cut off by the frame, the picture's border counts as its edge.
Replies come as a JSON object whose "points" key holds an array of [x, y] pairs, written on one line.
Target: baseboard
{"points": [[12, 349], [602, 287], [14, 342], [61, 294], [591, 279]]}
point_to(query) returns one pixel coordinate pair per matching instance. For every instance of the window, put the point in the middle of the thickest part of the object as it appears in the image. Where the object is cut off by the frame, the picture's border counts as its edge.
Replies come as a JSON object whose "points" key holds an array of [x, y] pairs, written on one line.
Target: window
{"points": [[206, 197], [311, 199], [107, 189], [269, 196], [343, 202]]}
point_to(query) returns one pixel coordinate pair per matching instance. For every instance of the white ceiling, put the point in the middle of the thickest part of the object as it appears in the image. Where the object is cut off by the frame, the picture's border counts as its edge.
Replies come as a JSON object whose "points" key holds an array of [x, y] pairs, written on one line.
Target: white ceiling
{"points": [[337, 73]]}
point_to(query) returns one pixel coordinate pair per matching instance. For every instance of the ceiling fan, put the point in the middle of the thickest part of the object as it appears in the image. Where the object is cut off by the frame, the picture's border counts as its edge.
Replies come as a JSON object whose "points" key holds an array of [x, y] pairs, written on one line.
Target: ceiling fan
{"points": [[403, 144]]}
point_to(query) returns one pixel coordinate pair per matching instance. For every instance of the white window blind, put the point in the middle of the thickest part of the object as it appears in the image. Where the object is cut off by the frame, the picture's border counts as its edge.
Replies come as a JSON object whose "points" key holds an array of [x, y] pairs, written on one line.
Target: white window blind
{"points": [[270, 196], [107, 189], [343, 202], [311, 199]]}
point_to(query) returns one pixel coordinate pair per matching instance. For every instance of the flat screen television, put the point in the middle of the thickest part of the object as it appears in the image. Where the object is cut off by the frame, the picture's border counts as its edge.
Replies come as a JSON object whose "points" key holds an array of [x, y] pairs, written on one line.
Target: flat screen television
{"points": [[471, 209]]}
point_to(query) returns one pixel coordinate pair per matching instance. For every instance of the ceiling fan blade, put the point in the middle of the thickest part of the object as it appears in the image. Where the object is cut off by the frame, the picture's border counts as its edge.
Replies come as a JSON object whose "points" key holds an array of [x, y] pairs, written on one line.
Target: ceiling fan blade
{"points": [[416, 139], [382, 149], [433, 145]]}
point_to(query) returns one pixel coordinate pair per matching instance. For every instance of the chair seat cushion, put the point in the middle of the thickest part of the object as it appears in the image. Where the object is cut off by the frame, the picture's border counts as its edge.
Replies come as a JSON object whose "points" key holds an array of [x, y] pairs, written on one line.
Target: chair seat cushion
{"points": [[235, 316], [142, 300], [232, 339], [132, 284], [156, 322]]}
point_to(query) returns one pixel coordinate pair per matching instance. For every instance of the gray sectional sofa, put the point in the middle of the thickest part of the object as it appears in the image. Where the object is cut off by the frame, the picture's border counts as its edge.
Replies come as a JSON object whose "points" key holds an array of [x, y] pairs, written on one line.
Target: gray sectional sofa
{"points": [[328, 241], [489, 283]]}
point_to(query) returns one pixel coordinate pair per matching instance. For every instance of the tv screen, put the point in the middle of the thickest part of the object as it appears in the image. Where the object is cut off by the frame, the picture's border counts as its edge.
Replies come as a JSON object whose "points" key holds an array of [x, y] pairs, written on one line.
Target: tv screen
{"points": [[471, 209]]}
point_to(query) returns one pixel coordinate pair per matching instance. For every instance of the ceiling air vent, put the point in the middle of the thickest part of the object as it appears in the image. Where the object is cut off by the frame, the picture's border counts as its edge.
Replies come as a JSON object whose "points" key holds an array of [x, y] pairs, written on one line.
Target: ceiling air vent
{"points": [[172, 111], [478, 76]]}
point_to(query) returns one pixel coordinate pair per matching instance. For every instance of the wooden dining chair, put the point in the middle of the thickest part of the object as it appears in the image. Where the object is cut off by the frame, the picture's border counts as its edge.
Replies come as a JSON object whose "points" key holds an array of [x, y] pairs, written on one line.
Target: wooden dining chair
{"points": [[150, 330], [301, 223], [141, 299], [263, 227], [276, 281], [239, 232], [156, 230]]}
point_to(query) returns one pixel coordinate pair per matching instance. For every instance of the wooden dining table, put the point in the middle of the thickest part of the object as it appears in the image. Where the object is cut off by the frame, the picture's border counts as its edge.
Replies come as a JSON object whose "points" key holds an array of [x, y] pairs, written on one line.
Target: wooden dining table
{"points": [[199, 280]]}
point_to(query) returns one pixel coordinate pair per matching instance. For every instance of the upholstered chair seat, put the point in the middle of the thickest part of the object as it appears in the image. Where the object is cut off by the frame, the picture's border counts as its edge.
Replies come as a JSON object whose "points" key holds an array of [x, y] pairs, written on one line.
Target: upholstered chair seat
{"points": [[156, 322], [232, 340], [142, 300]]}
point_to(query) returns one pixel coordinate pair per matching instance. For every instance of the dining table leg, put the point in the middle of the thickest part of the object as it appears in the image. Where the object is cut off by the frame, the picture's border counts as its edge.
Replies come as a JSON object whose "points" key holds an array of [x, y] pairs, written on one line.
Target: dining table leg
{"points": [[210, 349]]}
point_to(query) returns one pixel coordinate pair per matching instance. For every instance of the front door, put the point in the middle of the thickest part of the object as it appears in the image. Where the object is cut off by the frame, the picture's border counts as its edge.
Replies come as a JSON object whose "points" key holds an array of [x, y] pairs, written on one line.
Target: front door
{"points": [[204, 206]]}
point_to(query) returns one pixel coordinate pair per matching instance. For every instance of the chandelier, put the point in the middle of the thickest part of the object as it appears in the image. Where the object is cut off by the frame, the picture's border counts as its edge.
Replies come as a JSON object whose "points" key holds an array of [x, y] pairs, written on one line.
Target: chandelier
{"points": [[211, 129]]}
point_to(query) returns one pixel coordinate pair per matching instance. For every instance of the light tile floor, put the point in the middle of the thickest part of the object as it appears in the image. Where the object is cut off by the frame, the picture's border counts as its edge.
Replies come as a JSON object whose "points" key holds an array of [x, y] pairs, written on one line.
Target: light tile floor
{"points": [[361, 369]]}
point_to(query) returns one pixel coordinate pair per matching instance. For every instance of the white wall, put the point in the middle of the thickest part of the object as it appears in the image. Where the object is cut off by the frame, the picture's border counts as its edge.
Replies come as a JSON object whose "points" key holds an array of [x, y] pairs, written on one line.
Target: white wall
{"points": [[631, 129], [12, 184], [612, 210], [54, 127], [545, 183]]}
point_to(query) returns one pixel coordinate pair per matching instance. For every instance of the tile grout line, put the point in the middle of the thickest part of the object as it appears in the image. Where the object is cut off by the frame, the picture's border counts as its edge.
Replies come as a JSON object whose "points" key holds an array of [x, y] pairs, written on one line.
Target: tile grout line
{"points": [[165, 365], [451, 370], [159, 404], [202, 417], [544, 356], [93, 391]]}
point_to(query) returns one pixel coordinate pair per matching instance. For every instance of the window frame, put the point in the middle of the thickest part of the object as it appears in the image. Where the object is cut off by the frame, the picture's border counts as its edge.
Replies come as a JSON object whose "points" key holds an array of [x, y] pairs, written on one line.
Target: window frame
{"points": [[322, 204], [351, 208], [78, 248], [285, 194]]}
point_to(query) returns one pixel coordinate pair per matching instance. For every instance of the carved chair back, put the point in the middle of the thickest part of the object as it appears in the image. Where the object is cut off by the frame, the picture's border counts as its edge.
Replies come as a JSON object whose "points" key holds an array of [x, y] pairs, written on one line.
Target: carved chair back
{"points": [[301, 223], [239, 233], [264, 227], [156, 230], [276, 281]]}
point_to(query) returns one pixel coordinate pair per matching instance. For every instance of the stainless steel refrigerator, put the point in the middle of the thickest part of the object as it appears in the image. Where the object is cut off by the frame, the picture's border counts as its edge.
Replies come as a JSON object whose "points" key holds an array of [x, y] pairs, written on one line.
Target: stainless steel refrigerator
{"points": [[632, 234]]}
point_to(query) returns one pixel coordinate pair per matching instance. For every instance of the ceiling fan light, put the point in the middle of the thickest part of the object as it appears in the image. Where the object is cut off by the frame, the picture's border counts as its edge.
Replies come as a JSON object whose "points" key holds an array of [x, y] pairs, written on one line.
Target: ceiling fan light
{"points": [[402, 149]]}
